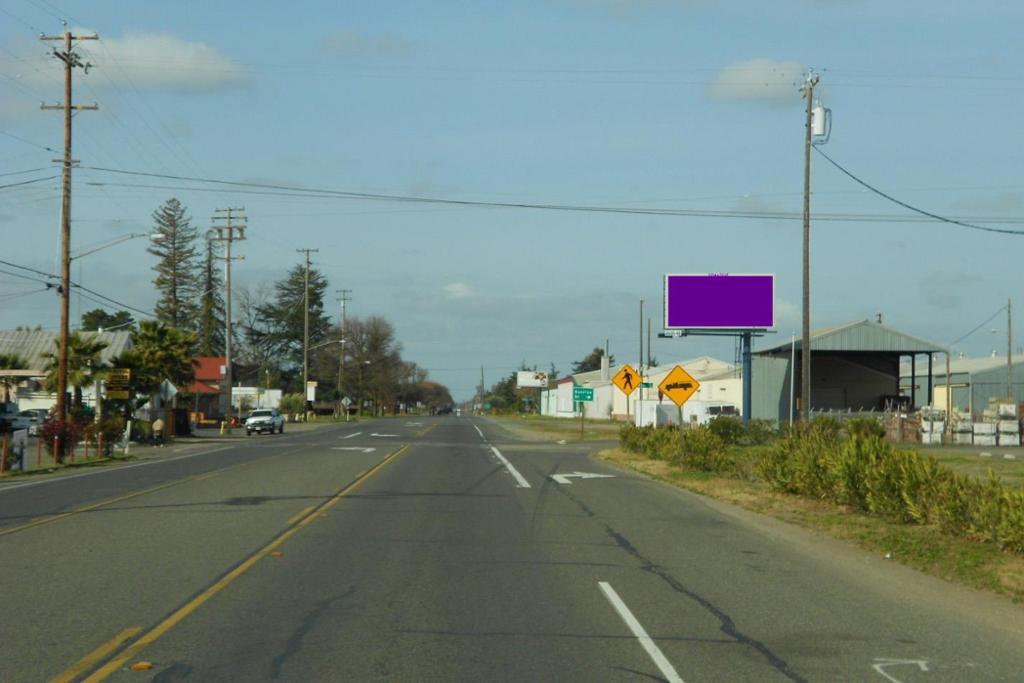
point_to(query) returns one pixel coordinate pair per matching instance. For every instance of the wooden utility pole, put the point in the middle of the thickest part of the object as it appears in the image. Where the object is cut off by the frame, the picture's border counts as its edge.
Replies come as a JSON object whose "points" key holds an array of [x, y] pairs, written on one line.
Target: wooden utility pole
{"points": [[232, 230], [344, 298], [71, 60], [805, 341], [1009, 351], [305, 326]]}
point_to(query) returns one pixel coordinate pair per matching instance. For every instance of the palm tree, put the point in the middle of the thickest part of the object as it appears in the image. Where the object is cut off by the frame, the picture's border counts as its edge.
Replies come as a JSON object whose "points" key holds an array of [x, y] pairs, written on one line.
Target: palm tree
{"points": [[159, 352], [84, 353], [10, 361]]}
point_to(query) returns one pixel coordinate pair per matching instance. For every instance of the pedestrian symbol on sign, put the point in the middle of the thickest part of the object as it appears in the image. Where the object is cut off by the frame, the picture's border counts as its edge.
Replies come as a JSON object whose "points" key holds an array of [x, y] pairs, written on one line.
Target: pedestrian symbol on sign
{"points": [[626, 380]]}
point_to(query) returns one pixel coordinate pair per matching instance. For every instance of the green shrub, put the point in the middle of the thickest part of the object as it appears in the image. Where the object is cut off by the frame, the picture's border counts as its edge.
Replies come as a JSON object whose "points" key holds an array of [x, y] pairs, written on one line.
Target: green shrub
{"points": [[702, 449], [759, 432], [293, 404], [869, 474], [865, 427], [110, 430], [728, 428]]}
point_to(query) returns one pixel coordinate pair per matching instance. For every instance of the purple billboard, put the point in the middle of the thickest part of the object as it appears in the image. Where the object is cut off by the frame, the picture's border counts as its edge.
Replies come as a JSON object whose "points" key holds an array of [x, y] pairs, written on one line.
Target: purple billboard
{"points": [[719, 301]]}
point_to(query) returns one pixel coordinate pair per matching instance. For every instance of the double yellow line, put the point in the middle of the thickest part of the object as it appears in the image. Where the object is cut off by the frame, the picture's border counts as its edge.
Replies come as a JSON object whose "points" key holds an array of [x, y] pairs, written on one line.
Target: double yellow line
{"points": [[195, 603]]}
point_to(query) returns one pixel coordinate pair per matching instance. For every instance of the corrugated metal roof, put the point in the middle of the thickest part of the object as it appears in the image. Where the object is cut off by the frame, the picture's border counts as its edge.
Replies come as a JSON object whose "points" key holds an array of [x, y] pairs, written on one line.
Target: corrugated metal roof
{"points": [[33, 345], [971, 366], [862, 335]]}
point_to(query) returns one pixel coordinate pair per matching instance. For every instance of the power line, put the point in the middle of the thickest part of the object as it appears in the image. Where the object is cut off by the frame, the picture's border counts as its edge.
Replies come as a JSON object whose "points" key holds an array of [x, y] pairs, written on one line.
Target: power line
{"points": [[31, 170], [27, 182], [299, 192], [28, 142], [929, 214], [987, 321]]}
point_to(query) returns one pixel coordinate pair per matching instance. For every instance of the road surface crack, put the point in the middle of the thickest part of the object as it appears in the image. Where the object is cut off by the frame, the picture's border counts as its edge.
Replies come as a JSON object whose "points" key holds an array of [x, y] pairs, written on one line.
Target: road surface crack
{"points": [[726, 623]]}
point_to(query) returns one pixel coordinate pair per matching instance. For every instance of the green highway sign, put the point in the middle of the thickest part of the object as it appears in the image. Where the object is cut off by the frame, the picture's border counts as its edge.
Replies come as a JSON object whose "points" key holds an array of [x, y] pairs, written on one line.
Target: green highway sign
{"points": [[647, 385], [582, 394]]}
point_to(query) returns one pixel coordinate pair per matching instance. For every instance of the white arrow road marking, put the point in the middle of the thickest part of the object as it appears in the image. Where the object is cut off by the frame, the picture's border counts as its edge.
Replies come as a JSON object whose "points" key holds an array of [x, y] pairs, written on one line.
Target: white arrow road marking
{"points": [[376, 434], [882, 662], [351, 435], [520, 479], [564, 478], [648, 644], [353, 448]]}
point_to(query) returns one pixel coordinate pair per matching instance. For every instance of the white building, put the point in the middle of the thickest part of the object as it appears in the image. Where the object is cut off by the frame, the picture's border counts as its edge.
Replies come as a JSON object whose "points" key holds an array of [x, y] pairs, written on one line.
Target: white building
{"points": [[720, 381]]}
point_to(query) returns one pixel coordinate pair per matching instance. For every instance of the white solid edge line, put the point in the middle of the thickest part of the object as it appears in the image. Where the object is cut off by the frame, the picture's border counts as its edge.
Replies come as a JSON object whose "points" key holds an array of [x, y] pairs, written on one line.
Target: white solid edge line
{"points": [[520, 479], [351, 435], [112, 469], [652, 649], [479, 432]]}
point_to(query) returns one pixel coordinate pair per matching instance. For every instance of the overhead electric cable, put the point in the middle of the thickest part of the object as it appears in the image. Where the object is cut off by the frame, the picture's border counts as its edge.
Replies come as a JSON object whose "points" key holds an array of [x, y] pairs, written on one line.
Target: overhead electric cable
{"points": [[987, 321], [27, 182], [935, 216], [264, 189]]}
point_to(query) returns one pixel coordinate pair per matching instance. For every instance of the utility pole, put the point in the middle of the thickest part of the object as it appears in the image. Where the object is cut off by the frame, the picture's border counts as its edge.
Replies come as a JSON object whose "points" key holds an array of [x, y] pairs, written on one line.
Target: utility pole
{"points": [[1009, 352], [344, 298], [305, 325], [641, 368], [71, 60], [810, 81], [231, 230]]}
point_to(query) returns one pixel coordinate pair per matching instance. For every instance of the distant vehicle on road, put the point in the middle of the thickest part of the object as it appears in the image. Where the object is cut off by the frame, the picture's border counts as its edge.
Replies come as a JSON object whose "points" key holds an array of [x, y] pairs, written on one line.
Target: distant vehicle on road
{"points": [[30, 420], [265, 420]]}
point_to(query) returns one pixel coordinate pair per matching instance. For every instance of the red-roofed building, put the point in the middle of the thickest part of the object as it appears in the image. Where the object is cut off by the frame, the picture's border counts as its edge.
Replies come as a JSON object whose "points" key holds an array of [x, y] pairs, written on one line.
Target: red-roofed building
{"points": [[207, 387]]}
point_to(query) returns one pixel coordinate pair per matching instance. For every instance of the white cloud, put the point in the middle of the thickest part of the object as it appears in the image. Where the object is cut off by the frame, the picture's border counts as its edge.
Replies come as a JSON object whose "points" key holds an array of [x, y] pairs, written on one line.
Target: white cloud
{"points": [[457, 290], [758, 80], [147, 61], [352, 42]]}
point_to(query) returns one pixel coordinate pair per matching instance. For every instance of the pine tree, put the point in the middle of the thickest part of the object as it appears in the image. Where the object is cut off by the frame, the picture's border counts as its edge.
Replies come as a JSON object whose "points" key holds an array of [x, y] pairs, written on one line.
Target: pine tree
{"points": [[283, 317], [177, 273], [211, 306]]}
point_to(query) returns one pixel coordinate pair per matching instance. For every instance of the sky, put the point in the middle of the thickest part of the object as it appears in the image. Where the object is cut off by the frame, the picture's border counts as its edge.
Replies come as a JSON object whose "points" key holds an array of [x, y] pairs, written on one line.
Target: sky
{"points": [[642, 104]]}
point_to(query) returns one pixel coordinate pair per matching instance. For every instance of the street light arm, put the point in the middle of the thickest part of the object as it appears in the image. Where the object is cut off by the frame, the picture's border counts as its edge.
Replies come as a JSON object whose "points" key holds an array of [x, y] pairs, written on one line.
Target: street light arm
{"points": [[327, 343], [116, 241]]}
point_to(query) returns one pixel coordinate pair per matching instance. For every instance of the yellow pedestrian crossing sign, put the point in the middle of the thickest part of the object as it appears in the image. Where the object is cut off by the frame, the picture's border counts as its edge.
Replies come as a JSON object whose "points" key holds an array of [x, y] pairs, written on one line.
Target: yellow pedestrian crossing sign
{"points": [[627, 380], [679, 386]]}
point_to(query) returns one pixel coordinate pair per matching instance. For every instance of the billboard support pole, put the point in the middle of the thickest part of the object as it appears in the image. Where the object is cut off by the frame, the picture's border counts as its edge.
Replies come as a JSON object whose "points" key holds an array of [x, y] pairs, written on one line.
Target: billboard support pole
{"points": [[747, 372]]}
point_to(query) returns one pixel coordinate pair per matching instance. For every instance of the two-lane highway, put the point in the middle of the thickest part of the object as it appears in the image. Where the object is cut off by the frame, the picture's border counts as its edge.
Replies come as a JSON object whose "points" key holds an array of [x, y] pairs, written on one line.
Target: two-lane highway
{"points": [[446, 549]]}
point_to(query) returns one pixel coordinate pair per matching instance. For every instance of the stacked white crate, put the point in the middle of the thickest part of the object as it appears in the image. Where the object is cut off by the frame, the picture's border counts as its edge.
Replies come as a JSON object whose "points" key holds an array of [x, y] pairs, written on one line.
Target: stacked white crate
{"points": [[1008, 426], [931, 431], [984, 434], [963, 431]]}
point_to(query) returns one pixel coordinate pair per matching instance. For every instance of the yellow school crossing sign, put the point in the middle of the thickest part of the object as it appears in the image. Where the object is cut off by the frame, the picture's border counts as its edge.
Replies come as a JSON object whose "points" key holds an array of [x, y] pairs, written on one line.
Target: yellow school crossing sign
{"points": [[679, 386], [627, 380]]}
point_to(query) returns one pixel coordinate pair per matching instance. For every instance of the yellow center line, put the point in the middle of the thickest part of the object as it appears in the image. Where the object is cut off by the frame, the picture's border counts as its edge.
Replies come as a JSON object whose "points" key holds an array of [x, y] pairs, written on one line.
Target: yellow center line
{"points": [[97, 655], [192, 605], [299, 515], [40, 521]]}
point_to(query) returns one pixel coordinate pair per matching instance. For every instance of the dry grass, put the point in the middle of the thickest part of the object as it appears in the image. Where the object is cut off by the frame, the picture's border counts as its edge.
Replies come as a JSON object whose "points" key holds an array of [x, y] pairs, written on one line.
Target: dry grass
{"points": [[924, 548]]}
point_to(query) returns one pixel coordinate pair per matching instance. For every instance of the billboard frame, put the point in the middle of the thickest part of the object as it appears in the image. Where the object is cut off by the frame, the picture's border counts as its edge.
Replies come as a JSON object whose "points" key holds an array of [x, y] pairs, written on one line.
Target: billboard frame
{"points": [[710, 328]]}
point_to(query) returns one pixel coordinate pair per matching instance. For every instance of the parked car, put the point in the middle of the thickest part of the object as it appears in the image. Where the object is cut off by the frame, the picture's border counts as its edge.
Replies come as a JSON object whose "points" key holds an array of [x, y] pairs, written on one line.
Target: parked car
{"points": [[30, 420], [265, 420]]}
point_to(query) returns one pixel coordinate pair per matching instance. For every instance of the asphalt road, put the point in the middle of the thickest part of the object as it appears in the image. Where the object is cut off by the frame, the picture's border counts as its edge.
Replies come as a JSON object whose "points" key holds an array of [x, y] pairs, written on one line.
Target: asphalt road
{"points": [[443, 549]]}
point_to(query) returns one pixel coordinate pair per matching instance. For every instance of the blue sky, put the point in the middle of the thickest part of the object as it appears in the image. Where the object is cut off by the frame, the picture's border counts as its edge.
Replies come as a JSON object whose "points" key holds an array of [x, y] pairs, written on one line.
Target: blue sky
{"points": [[639, 103]]}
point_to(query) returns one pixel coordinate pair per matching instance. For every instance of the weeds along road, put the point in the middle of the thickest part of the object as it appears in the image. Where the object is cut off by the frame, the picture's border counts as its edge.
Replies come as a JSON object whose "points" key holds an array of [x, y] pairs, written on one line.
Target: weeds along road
{"points": [[447, 549]]}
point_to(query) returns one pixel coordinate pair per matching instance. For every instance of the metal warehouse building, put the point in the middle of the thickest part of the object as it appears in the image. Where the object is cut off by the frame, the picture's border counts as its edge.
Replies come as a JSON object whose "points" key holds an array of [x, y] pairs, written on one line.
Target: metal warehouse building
{"points": [[855, 366], [974, 381]]}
